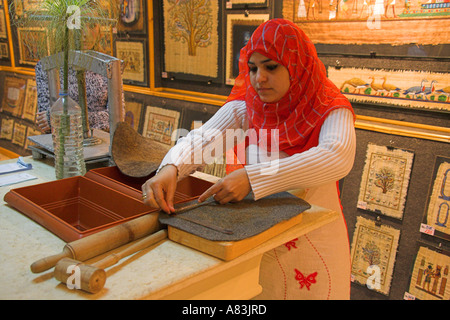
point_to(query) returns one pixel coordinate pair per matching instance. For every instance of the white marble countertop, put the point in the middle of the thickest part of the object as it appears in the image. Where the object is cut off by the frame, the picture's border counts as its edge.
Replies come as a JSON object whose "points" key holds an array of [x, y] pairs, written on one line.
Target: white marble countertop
{"points": [[165, 270]]}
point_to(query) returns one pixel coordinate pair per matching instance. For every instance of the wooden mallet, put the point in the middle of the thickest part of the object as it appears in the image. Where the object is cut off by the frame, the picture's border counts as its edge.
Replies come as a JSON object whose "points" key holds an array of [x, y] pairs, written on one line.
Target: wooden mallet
{"points": [[103, 241], [93, 277]]}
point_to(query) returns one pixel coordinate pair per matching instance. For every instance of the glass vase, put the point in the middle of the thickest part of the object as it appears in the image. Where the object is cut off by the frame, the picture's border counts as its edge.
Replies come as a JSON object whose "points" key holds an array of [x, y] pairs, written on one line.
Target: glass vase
{"points": [[67, 135]]}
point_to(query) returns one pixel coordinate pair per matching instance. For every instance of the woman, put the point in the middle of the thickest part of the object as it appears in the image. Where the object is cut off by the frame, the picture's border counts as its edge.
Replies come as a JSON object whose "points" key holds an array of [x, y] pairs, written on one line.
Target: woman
{"points": [[281, 92]]}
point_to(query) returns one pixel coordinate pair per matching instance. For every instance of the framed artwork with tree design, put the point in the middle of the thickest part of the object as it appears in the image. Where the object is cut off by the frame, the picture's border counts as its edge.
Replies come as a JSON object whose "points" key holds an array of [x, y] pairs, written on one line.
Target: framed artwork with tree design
{"points": [[373, 253], [191, 39], [385, 180]]}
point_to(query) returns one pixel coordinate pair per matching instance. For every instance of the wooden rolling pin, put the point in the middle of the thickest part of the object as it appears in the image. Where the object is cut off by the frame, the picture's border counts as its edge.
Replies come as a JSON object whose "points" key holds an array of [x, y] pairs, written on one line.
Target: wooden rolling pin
{"points": [[103, 241], [93, 277]]}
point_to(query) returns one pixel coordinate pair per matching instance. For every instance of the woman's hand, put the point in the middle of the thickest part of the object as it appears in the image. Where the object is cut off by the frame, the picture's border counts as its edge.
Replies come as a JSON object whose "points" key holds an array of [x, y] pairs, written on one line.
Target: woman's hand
{"points": [[41, 121], [159, 191], [232, 188]]}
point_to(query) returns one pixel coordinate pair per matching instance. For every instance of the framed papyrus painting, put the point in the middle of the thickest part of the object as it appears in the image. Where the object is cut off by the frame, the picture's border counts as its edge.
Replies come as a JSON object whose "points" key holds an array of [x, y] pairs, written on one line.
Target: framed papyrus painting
{"points": [[4, 51], [3, 33], [159, 124], [30, 103], [374, 22], [133, 54], [19, 134], [7, 126], [32, 45], [14, 95], [132, 17], [133, 112], [373, 252], [191, 38], [430, 276], [438, 208], [403, 88], [385, 180]]}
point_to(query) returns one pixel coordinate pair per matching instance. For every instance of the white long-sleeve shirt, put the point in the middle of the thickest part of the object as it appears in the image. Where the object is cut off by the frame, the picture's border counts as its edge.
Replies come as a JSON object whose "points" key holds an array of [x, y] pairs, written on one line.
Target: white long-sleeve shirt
{"points": [[329, 161]]}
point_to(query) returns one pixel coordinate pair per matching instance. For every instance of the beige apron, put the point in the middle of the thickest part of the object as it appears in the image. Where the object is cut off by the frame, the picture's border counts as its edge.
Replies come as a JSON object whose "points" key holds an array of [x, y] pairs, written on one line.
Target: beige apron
{"points": [[315, 266]]}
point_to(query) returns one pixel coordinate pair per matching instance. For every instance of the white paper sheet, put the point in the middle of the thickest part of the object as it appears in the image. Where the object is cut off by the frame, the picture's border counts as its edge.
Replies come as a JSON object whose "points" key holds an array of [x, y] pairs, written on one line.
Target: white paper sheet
{"points": [[15, 178]]}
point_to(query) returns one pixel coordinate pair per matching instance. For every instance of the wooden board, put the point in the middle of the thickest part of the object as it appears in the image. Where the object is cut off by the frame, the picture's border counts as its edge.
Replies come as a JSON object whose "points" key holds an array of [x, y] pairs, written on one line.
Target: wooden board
{"points": [[228, 250]]}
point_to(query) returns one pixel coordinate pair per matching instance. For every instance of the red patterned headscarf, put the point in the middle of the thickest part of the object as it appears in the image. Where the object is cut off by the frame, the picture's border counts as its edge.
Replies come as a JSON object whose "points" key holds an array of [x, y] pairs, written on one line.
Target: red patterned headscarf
{"points": [[311, 95]]}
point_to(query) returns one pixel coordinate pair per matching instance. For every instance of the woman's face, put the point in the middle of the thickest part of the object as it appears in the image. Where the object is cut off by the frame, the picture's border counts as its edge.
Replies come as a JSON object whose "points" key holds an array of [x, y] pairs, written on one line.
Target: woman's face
{"points": [[269, 78], [90, 35]]}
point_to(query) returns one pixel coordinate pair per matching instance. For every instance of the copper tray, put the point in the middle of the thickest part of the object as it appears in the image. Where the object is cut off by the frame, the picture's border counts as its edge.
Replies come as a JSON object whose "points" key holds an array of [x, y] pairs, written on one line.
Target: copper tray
{"points": [[76, 207], [187, 189]]}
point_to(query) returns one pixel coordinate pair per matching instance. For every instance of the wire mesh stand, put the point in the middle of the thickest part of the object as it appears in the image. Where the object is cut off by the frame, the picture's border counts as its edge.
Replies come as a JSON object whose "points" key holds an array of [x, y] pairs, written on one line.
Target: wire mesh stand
{"points": [[97, 144]]}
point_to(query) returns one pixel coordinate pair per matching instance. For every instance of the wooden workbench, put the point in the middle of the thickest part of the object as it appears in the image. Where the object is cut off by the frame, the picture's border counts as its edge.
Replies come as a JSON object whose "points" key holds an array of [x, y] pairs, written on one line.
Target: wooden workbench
{"points": [[165, 271]]}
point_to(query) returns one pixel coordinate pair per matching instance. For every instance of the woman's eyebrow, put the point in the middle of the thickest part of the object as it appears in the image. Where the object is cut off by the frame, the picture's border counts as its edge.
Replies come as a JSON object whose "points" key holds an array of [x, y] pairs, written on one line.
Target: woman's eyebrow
{"points": [[262, 62]]}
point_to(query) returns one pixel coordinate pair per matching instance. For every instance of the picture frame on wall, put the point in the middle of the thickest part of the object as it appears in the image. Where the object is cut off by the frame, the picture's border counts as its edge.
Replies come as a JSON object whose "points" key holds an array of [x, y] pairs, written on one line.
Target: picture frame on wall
{"points": [[3, 32], [385, 180], [132, 17], [240, 28], [436, 220], [430, 275], [419, 90], [247, 4], [4, 51], [369, 240], [394, 23], [18, 7], [105, 45], [30, 133], [32, 5], [13, 96], [160, 124], [134, 109], [7, 127], [32, 45], [19, 134], [30, 102], [191, 42], [133, 52]]}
